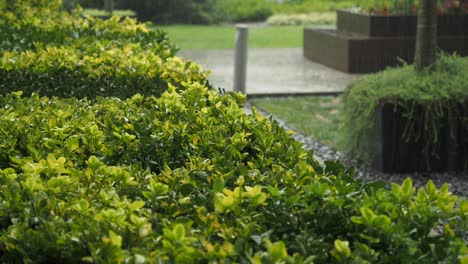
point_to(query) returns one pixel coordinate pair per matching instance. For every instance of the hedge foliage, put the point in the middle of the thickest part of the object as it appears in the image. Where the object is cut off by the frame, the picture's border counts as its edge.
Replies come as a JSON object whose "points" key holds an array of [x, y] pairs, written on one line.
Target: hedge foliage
{"points": [[441, 91], [54, 52], [216, 11], [173, 11], [244, 10], [185, 177], [191, 11], [188, 178]]}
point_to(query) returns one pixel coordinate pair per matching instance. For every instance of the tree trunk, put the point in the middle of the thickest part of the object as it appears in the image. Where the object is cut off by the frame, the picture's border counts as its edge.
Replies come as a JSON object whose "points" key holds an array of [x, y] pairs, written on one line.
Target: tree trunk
{"points": [[426, 36], [109, 6]]}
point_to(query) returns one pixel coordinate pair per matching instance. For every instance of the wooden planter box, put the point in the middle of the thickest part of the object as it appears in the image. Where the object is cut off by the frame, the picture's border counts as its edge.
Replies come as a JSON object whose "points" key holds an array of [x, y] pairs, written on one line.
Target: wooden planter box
{"points": [[366, 44], [397, 26], [394, 154], [359, 54]]}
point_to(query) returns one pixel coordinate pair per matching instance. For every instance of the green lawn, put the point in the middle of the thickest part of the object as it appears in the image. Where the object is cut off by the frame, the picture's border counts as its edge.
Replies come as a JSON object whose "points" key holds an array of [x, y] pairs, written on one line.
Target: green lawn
{"points": [[222, 37], [315, 116]]}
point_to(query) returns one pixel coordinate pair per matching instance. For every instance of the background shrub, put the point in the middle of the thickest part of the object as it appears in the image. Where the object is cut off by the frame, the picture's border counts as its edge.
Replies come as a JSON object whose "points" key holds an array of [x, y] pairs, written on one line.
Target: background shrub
{"points": [[107, 71], [324, 18], [199, 12], [16, 5], [35, 28], [57, 53], [245, 10], [105, 14], [172, 11], [190, 11], [215, 11]]}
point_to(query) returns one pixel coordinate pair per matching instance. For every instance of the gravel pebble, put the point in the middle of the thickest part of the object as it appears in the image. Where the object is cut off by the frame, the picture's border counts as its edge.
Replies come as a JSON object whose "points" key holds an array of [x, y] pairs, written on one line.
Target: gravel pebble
{"points": [[457, 181]]}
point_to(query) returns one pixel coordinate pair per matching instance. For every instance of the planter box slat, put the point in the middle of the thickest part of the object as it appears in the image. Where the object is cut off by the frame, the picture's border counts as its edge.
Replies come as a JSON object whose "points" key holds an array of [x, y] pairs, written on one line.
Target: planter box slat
{"points": [[394, 154]]}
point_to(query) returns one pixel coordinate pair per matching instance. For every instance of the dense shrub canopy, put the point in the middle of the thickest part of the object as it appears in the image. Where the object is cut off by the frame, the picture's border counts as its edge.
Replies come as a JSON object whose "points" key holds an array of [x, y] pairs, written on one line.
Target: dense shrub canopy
{"points": [[188, 177], [193, 11], [161, 11], [184, 177], [53, 52], [245, 10]]}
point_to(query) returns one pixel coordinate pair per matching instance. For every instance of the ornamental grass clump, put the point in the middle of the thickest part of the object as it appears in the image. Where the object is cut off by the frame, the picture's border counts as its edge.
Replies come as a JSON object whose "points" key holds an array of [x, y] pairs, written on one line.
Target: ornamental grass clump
{"points": [[441, 91]]}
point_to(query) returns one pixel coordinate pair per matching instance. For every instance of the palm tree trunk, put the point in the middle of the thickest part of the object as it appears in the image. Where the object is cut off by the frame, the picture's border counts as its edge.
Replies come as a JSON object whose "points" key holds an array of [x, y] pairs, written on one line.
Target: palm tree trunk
{"points": [[426, 36]]}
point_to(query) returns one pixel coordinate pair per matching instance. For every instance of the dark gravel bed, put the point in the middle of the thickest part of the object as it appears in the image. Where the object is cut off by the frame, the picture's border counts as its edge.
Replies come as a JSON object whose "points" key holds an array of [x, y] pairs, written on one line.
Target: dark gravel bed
{"points": [[457, 181]]}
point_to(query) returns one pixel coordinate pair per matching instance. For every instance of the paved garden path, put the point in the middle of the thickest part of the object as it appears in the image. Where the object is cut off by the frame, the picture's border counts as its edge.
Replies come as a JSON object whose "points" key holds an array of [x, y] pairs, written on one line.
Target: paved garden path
{"points": [[278, 71]]}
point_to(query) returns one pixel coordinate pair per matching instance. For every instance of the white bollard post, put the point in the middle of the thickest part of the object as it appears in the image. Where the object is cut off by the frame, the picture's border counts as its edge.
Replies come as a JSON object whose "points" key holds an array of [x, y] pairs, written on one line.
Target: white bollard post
{"points": [[240, 58]]}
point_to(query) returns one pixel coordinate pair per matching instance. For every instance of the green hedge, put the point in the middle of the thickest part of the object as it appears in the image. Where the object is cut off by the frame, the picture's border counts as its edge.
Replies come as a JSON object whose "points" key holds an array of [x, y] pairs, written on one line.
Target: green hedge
{"points": [[105, 14], [57, 53], [32, 28], [173, 11], [68, 71], [189, 178], [186, 177]]}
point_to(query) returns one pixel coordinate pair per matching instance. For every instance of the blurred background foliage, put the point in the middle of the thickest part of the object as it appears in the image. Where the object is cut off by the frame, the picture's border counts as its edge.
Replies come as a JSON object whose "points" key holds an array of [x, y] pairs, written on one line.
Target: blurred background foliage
{"points": [[213, 11]]}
